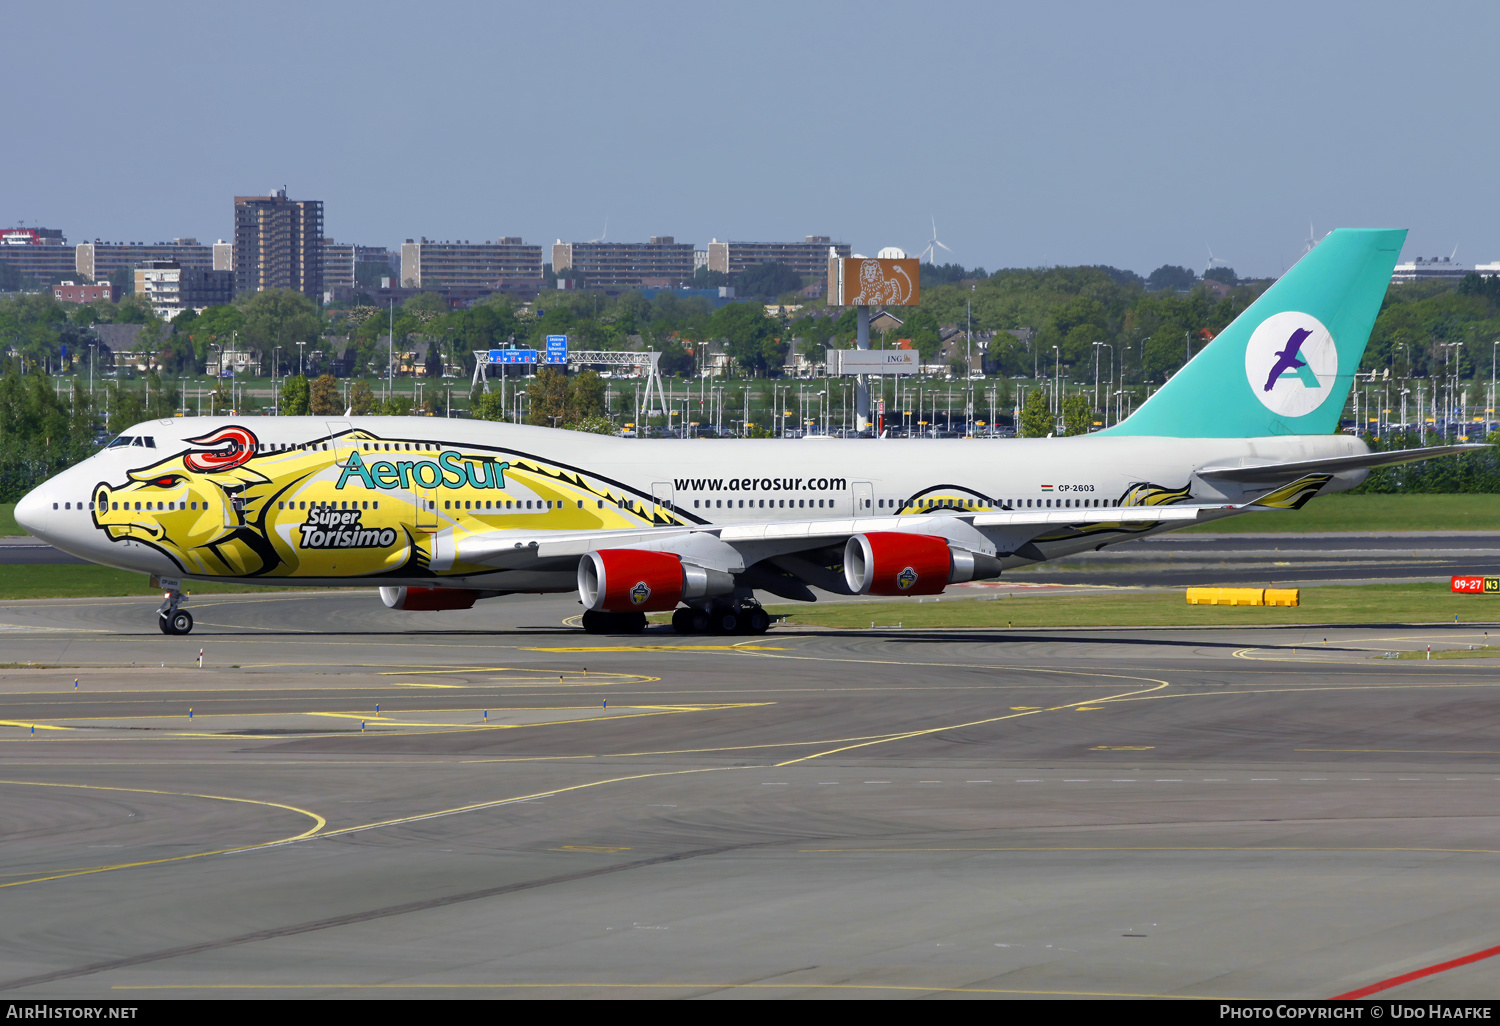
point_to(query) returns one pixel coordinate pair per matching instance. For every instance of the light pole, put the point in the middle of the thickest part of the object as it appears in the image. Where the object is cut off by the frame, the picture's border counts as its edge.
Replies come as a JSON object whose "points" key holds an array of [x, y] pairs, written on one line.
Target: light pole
{"points": [[1490, 407], [1056, 377]]}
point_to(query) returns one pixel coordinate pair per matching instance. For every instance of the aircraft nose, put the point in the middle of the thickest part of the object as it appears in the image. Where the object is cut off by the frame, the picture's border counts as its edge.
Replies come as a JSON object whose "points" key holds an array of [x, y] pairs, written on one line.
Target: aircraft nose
{"points": [[31, 511]]}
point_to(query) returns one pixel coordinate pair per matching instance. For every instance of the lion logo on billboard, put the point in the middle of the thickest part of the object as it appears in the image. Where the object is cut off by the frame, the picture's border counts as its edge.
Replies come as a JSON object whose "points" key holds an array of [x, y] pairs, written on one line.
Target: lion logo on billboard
{"points": [[876, 288]]}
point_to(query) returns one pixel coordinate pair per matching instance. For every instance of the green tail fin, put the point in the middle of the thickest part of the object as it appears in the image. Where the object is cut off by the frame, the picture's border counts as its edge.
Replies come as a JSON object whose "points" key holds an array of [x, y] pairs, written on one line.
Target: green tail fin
{"points": [[1285, 365]]}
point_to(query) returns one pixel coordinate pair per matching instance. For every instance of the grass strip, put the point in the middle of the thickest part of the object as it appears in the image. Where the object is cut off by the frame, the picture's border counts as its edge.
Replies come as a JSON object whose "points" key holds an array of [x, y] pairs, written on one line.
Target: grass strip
{"points": [[1371, 603], [72, 580], [1336, 513]]}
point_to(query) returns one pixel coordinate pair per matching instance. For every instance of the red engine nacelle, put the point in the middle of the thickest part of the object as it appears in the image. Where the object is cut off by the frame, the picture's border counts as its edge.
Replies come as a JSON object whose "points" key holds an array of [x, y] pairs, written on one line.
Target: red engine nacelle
{"points": [[630, 581], [428, 598], [893, 563]]}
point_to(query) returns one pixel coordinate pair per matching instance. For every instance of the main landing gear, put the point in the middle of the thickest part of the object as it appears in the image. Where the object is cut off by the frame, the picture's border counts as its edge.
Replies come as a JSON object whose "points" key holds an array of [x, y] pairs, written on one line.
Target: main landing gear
{"points": [[721, 619], [170, 618]]}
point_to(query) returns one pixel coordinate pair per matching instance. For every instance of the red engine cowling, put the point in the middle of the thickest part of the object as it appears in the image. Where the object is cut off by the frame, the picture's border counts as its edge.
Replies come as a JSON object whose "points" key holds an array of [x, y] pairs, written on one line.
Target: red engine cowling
{"points": [[893, 563], [428, 598], [630, 581]]}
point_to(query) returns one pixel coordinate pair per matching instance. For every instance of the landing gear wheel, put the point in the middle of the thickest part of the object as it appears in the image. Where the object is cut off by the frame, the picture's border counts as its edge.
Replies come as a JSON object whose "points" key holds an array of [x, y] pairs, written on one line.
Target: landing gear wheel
{"points": [[682, 621], [631, 623], [180, 622], [597, 623], [726, 621], [757, 621]]}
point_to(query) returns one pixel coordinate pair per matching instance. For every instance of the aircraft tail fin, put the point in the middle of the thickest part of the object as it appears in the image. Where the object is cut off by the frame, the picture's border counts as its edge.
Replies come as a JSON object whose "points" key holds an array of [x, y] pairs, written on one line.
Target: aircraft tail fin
{"points": [[1285, 365]]}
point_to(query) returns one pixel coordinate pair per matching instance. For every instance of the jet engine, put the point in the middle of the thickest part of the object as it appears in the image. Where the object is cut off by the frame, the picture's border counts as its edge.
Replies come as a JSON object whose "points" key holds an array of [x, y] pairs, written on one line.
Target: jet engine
{"points": [[428, 598], [896, 563], [641, 581]]}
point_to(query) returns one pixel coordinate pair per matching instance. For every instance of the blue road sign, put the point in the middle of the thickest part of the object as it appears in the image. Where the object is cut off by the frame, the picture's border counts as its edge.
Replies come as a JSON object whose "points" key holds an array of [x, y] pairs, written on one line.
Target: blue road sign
{"points": [[513, 356], [557, 349]]}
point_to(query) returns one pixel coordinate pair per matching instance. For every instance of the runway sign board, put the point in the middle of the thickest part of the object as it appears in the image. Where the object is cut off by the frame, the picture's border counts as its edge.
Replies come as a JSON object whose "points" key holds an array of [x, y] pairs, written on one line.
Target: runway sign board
{"points": [[1476, 585], [874, 361], [870, 281]]}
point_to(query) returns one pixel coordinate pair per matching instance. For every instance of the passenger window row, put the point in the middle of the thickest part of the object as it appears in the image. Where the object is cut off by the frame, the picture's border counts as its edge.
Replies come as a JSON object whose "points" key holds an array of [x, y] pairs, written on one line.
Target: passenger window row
{"points": [[494, 505], [783, 503], [347, 504]]}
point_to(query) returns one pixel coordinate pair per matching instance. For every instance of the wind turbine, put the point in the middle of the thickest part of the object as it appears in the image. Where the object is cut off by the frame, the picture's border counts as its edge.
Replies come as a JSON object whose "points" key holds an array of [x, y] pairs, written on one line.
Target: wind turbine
{"points": [[1214, 261], [1312, 240], [605, 234], [929, 255]]}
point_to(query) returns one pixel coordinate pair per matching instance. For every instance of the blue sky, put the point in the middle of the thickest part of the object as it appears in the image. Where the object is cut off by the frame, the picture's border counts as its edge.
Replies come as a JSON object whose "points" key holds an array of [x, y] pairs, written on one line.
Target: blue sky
{"points": [[1033, 134]]}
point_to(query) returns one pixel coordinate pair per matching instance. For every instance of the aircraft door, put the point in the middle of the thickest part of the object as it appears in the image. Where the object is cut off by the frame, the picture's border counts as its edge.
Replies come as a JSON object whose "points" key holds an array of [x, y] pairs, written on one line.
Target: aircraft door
{"points": [[864, 492], [662, 492], [426, 502], [339, 441]]}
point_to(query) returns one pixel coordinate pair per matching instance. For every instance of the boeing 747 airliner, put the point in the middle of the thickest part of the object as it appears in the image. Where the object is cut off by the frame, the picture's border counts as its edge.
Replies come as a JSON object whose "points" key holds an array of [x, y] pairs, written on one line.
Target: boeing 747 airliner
{"points": [[440, 513]]}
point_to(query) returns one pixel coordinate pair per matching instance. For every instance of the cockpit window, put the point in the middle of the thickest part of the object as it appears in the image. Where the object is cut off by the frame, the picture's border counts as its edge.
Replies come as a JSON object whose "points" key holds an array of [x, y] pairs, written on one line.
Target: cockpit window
{"points": [[121, 441], [139, 441]]}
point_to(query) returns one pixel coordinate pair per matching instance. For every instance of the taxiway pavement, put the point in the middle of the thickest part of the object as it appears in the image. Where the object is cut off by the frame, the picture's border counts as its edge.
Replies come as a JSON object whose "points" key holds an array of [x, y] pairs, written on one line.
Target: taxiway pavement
{"points": [[350, 801]]}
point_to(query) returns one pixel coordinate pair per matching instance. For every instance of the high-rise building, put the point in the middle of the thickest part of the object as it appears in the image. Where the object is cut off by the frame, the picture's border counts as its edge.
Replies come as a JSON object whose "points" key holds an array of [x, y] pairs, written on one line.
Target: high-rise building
{"points": [[98, 260], [663, 260], [38, 253], [427, 263], [278, 244], [809, 257]]}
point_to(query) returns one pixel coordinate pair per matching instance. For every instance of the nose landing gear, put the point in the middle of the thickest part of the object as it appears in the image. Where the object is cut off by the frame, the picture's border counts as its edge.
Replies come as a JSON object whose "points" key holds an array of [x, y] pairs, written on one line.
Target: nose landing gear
{"points": [[169, 617]]}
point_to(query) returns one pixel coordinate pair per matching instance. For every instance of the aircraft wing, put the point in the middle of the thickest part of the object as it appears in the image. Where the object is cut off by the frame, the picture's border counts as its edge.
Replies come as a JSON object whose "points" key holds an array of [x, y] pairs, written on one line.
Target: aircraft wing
{"points": [[733, 546], [1363, 461]]}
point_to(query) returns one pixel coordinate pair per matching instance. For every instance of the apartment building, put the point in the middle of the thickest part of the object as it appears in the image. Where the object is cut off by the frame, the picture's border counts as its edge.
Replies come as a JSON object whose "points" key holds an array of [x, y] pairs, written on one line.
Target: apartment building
{"points": [[278, 244], [808, 257], [341, 262], [171, 288], [96, 260], [85, 292], [39, 253], [661, 261], [427, 263]]}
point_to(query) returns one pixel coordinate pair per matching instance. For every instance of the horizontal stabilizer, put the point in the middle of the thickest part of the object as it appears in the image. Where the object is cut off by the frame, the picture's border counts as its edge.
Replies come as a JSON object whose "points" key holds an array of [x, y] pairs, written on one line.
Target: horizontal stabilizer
{"points": [[1332, 465]]}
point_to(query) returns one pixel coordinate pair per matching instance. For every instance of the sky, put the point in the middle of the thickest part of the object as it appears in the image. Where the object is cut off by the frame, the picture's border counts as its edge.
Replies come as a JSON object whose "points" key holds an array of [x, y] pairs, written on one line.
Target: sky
{"points": [[1031, 134]]}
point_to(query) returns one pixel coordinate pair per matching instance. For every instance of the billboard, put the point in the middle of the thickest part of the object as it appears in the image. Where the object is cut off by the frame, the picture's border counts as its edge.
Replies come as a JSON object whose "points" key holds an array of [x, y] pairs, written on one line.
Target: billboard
{"points": [[870, 281], [874, 361]]}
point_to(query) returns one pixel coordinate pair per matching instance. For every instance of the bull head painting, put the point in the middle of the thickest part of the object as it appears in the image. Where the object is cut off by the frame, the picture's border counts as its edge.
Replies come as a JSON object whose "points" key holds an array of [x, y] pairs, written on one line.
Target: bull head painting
{"points": [[204, 507]]}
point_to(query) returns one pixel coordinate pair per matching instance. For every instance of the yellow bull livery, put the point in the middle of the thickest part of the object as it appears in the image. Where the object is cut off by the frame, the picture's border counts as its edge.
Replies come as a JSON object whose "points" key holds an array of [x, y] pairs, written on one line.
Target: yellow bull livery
{"points": [[230, 508]]}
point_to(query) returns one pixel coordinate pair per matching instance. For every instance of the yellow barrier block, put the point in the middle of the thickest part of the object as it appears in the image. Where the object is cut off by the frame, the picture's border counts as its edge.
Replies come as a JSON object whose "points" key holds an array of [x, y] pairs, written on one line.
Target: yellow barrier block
{"points": [[1226, 596], [1242, 596]]}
